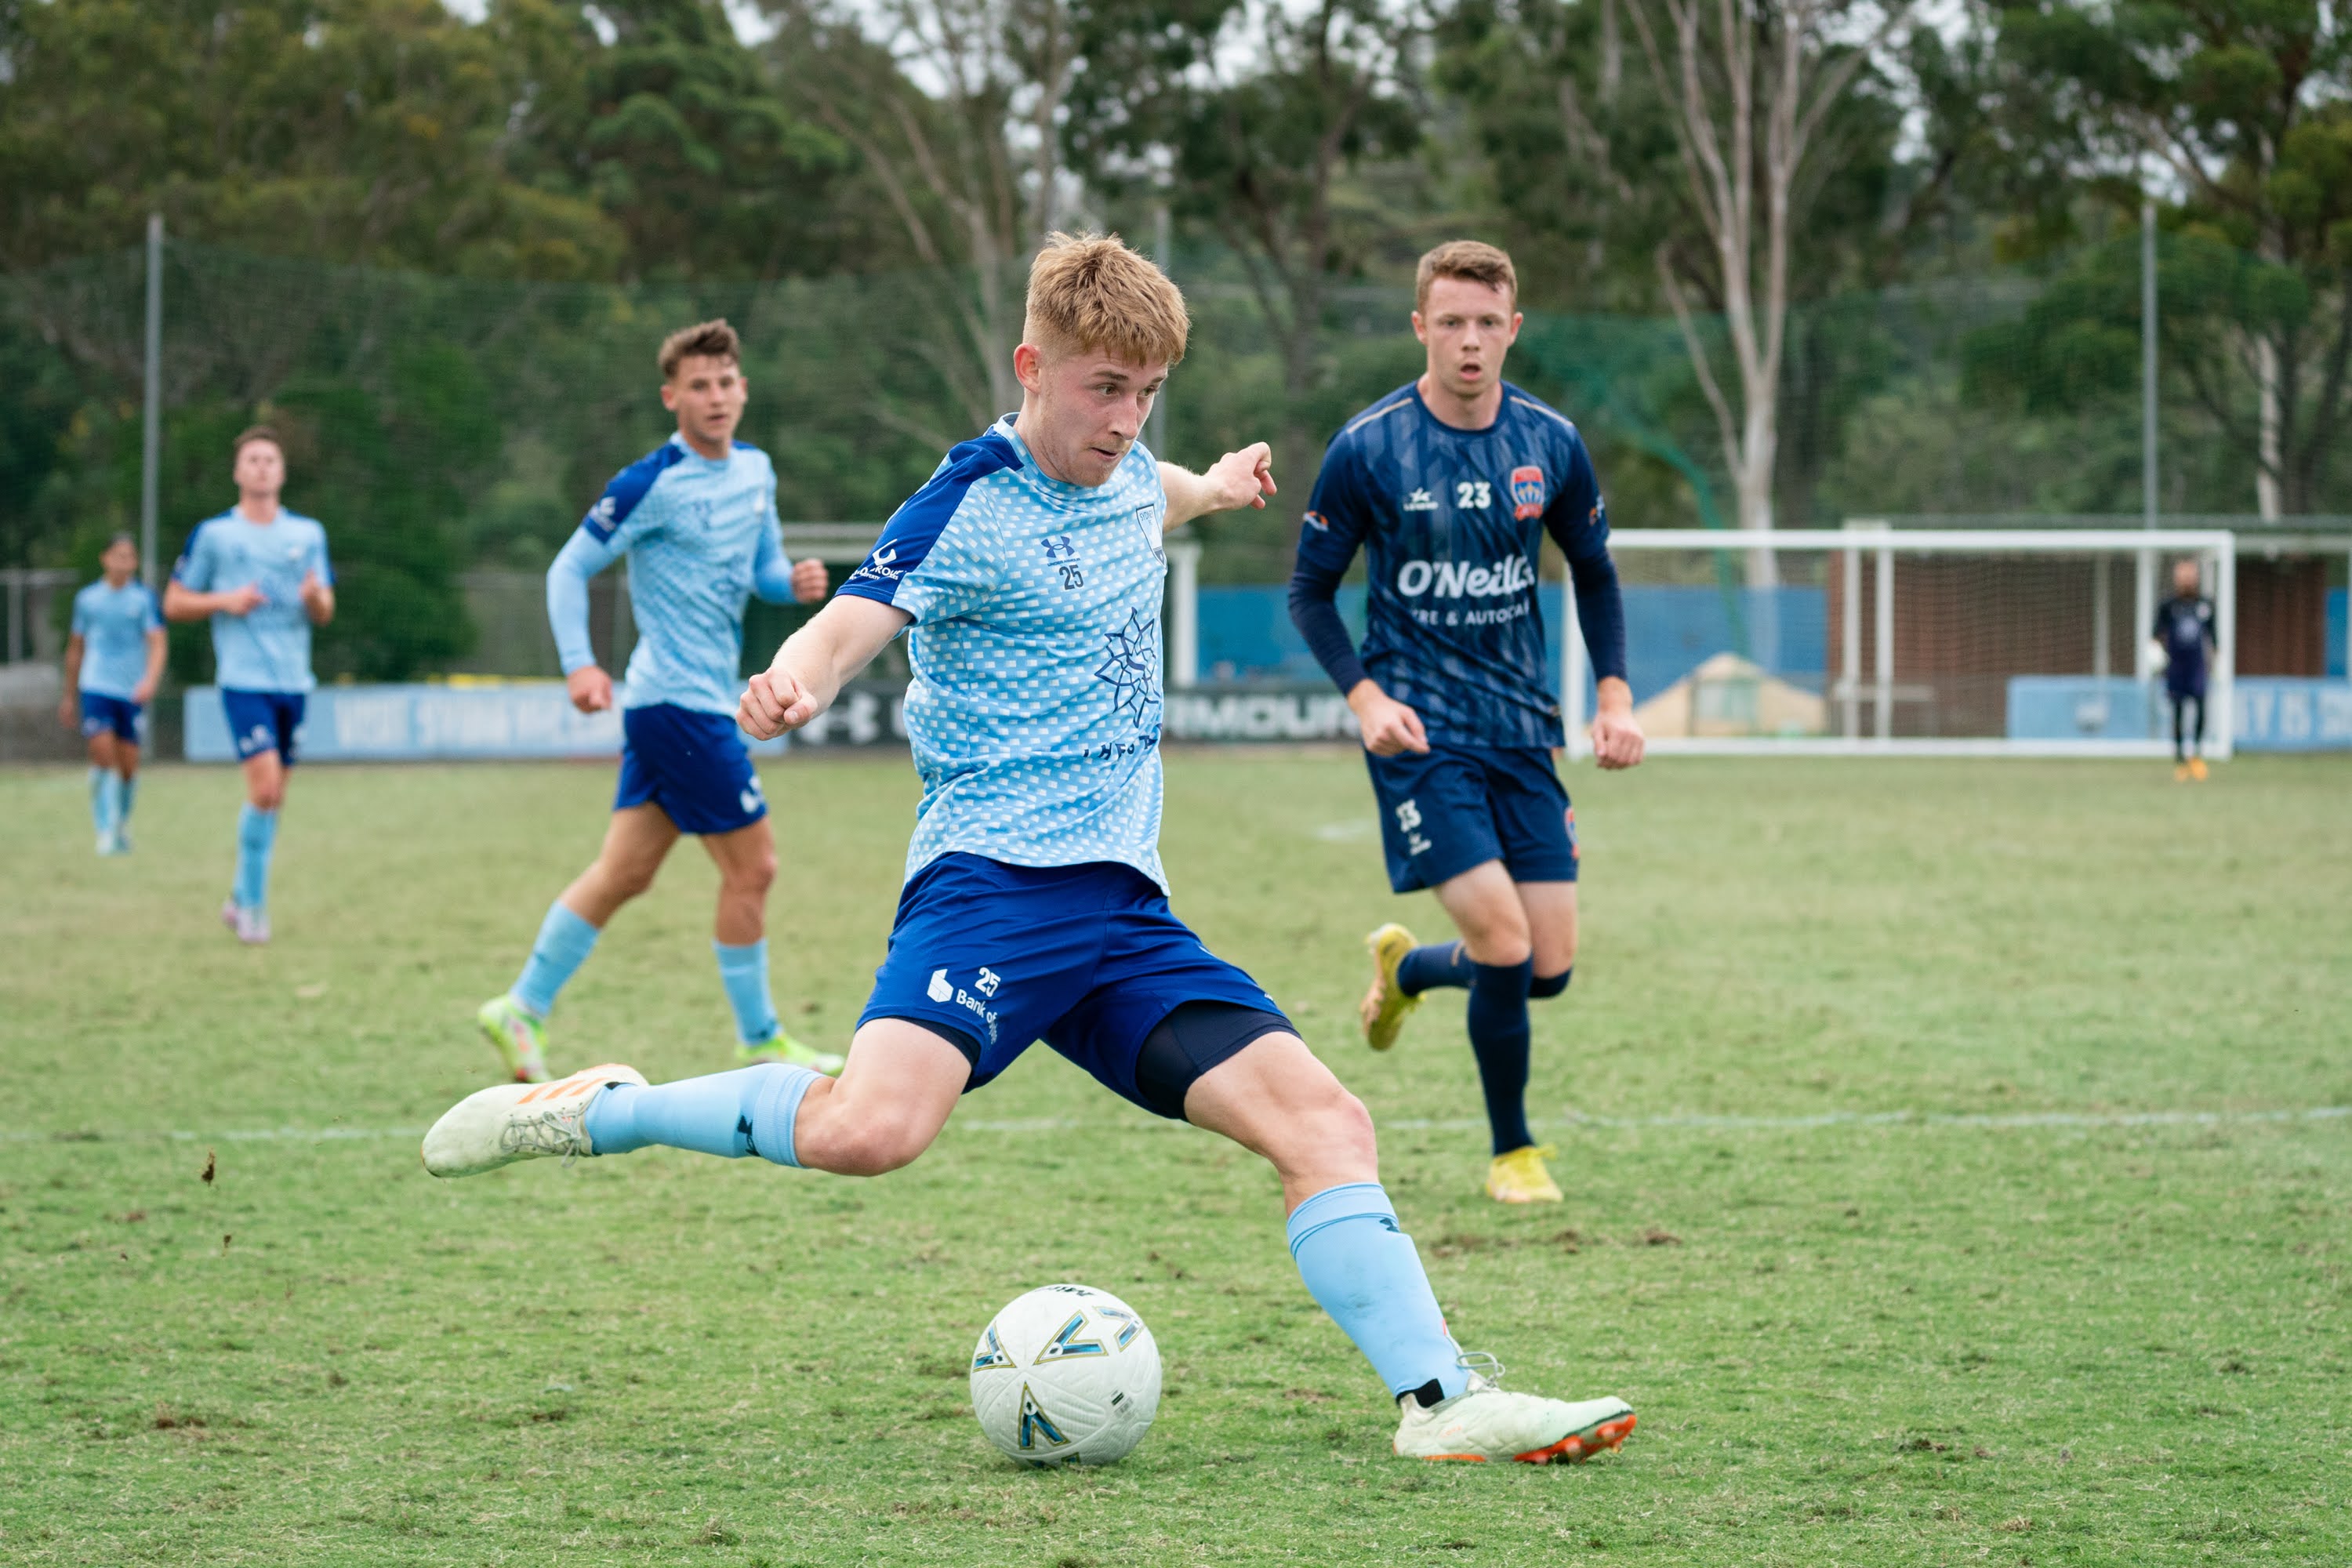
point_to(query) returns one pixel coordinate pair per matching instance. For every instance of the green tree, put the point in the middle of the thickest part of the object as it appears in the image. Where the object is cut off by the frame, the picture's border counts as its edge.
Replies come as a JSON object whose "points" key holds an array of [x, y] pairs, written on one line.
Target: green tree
{"points": [[347, 130], [2238, 108]]}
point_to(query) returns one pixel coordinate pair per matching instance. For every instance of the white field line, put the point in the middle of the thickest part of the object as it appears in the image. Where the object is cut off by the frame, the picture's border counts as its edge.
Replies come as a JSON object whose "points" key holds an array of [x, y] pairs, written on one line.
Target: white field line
{"points": [[2022, 1120]]}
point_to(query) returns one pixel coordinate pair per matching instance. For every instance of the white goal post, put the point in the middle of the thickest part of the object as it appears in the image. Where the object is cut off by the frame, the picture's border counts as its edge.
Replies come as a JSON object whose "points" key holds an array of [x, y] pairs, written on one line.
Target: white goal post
{"points": [[1875, 641]]}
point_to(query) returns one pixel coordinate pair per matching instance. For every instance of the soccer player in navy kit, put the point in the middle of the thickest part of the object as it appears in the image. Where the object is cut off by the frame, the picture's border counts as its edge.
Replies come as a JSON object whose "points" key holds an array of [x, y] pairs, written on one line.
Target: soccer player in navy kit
{"points": [[114, 658], [2184, 632], [1449, 484]]}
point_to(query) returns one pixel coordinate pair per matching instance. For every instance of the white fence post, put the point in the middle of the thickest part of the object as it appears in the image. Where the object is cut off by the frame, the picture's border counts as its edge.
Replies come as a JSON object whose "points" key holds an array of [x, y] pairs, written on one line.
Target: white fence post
{"points": [[1183, 613]]}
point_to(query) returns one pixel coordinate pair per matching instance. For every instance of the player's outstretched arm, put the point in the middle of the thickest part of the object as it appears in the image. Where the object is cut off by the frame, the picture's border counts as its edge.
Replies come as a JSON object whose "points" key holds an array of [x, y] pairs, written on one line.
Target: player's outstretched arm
{"points": [[810, 669], [1237, 480]]}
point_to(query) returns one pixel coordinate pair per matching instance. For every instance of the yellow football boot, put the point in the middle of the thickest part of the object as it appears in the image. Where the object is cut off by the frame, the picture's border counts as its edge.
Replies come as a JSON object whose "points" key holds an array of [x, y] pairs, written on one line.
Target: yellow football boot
{"points": [[2197, 769], [1385, 1009], [1521, 1177]]}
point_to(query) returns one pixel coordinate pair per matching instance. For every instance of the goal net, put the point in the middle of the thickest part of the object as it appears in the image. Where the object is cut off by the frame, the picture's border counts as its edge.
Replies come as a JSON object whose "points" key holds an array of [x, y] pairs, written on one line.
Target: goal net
{"points": [[1870, 640]]}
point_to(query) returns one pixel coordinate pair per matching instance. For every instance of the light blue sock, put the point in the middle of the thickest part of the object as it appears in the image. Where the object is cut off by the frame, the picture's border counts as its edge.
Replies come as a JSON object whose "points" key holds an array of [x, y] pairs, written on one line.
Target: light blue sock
{"points": [[564, 941], [129, 794], [744, 972], [1365, 1271], [256, 834], [730, 1114], [101, 805]]}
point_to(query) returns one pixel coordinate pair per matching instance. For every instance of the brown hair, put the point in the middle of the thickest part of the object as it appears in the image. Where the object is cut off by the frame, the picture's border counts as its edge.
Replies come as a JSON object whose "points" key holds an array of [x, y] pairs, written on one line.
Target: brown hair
{"points": [[250, 435], [1090, 291], [713, 339], [1472, 259]]}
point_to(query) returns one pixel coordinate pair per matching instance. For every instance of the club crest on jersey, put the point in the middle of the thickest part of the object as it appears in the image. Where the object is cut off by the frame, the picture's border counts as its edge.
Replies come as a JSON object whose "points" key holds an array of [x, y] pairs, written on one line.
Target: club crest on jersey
{"points": [[1148, 519], [1526, 491]]}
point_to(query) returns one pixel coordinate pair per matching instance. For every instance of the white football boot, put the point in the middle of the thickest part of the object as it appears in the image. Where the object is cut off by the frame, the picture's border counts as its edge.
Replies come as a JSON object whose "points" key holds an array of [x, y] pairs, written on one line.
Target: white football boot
{"points": [[496, 1127], [1488, 1422], [252, 926]]}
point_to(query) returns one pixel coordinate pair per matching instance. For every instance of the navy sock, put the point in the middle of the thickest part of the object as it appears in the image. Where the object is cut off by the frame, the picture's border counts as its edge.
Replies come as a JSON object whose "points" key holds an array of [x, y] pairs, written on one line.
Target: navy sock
{"points": [[1439, 963], [1498, 1037], [1545, 986]]}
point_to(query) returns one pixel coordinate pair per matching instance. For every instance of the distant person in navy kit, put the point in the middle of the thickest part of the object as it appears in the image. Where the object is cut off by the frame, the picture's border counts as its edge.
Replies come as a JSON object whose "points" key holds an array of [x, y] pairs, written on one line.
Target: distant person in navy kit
{"points": [[1449, 485], [114, 658], [2186, 641]]}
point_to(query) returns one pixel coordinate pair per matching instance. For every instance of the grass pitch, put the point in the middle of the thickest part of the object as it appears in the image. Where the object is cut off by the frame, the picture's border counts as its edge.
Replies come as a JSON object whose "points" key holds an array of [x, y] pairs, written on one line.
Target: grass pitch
{"points": [[1877, 1094]]}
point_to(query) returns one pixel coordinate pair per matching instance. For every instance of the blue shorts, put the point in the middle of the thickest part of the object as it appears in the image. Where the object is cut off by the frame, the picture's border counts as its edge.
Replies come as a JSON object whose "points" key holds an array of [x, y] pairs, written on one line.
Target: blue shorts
{"points": [[1088, 958], [691, 764], [259, 721], [116, 716], [1454, 807]]}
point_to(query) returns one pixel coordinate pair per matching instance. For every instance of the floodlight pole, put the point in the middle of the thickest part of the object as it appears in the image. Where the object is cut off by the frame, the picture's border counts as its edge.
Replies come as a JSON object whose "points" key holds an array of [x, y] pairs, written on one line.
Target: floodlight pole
{"points": [[152, 438], [2144, 561]]}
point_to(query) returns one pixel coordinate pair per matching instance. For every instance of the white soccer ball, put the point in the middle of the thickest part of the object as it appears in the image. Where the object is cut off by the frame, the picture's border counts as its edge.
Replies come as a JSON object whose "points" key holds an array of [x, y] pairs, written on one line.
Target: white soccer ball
{"points": [[1066, 1375]]}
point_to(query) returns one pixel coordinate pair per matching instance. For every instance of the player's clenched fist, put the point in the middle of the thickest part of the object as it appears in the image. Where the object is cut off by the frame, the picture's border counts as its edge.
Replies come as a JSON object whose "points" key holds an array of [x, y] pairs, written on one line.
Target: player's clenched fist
{"points": [[1387, 726], [809, 580], [772, 703]]}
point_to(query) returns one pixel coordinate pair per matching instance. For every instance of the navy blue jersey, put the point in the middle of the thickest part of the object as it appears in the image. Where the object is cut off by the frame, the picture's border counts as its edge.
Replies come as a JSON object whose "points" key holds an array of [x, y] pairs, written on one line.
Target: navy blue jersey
{"points": [[2185, 627], [1451, 521]]}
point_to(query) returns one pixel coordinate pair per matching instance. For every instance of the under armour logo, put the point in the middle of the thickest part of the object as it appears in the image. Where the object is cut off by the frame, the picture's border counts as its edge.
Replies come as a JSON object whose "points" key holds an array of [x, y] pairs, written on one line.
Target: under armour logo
{"points": [[1057, 545]]}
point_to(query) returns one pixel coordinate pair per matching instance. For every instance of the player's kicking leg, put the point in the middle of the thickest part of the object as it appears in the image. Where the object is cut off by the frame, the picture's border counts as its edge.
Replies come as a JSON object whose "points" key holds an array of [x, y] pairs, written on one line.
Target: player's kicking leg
{"points": [[902, 1081]]}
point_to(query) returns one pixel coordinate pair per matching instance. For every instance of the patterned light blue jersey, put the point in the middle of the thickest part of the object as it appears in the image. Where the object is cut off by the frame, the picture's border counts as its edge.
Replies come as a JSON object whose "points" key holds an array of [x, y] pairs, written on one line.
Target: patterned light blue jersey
{"points": [[1034, 709], [113, 624], [268, 648], [701, 536]]}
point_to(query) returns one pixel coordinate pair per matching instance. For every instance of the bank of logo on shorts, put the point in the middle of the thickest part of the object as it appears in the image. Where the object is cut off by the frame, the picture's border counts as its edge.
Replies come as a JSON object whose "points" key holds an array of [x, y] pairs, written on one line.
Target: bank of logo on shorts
{"points": [[1407, 815], [940, 990]]}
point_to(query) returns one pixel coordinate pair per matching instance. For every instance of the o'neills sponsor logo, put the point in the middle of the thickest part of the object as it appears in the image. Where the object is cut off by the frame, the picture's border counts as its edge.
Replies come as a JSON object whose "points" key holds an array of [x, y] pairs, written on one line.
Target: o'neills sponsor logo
{"points": [[1461, 580]]}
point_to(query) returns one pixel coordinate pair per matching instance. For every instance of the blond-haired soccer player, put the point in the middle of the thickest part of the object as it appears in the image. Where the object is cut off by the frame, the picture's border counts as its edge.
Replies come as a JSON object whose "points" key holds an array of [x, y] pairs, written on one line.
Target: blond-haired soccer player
{"points": [[260, 574], [696, 518], [1450, 484], [1029, 569], [114, 656]]}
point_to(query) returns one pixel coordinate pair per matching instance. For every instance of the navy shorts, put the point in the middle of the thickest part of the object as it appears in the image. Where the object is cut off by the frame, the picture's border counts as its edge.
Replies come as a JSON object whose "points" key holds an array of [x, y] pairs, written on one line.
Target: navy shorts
{"points": [[1453, 807], [260, 721], [693, 765], [116, 716], [1088, 958]]}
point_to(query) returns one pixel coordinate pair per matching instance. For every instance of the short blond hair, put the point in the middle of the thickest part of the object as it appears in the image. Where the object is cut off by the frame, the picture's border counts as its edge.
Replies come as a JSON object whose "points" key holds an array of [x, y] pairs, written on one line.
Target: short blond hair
{"points": [[1472, 260], [1090, 291], [713, 339]]}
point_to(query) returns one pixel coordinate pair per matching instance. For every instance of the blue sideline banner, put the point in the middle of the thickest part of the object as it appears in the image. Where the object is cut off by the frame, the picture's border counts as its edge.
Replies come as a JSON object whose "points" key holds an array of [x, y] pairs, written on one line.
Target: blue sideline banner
{"points": [[425, 722], [527, 720], [2286, 713]]}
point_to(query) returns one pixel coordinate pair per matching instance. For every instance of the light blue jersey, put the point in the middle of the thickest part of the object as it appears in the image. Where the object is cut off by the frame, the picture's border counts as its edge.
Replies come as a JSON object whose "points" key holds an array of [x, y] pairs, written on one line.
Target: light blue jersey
{"points": [[113, 624], [701, 536], [1034, 709], [268, 648]]}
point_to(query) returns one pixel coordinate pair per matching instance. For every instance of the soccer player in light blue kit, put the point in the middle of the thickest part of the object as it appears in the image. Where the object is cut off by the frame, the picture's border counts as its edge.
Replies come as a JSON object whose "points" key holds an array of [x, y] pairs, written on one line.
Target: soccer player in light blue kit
{"points": [[260, 574], [114, 656], [1029, 569], [696, 518]]}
